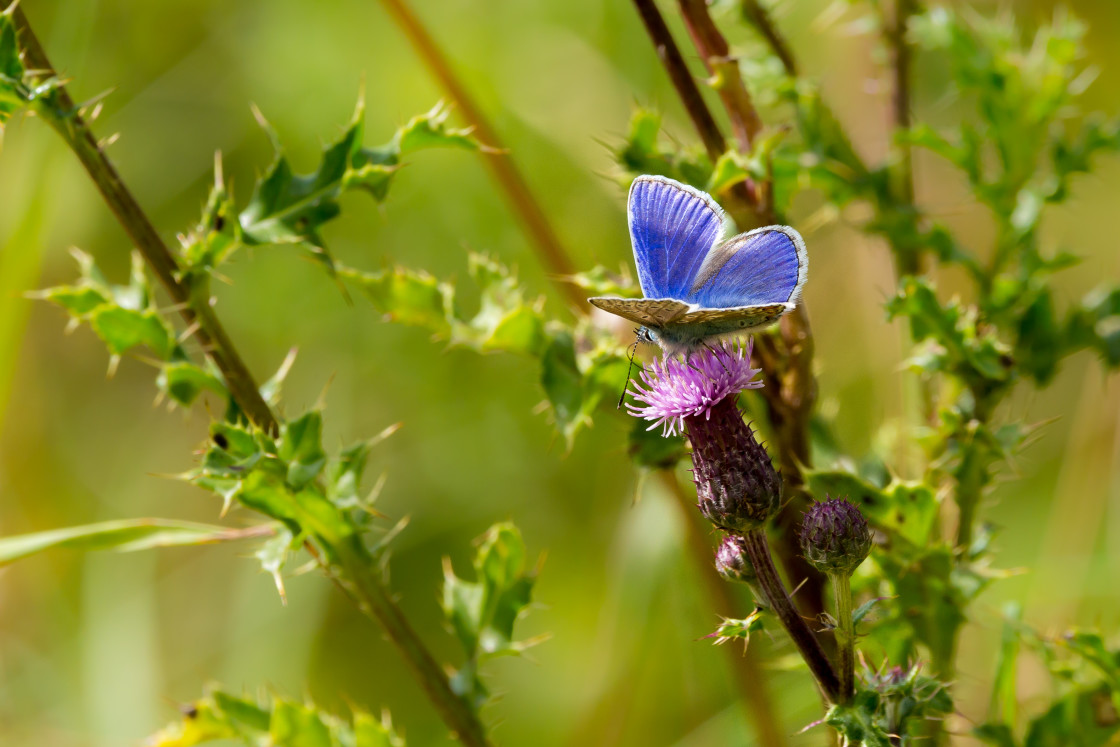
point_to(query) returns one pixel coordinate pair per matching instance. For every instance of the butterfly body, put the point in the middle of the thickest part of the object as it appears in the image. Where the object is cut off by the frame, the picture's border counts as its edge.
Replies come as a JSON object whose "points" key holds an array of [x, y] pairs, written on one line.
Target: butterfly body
{"points": [[697, 286]]}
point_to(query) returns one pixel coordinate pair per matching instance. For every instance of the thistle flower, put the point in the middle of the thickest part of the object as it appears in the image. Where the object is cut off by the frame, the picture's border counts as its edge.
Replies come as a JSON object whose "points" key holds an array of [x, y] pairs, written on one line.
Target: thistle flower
{"points": [[675, 388], [835, 537], [737, 486]]}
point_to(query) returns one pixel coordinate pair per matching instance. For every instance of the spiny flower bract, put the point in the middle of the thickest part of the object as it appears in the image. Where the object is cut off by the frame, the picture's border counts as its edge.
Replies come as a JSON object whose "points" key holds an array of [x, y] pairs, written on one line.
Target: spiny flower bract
{"points": [[673, 388]]}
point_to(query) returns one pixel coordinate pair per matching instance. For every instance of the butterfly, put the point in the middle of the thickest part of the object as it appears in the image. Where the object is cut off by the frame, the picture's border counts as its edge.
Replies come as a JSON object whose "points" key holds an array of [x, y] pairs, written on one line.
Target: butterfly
{"points": [[696, 284]]}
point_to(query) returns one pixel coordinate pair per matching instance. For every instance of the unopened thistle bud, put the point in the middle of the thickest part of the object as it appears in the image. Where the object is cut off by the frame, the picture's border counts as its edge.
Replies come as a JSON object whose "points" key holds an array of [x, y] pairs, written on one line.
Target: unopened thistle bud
{"points": [[835, 537], [737, 486], [732, 561]]}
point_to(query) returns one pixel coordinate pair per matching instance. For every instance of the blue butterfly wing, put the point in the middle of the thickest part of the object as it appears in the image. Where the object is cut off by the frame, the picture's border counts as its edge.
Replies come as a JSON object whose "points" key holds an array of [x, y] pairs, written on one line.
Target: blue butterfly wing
{"points": [[764, 266], [673, 228]]}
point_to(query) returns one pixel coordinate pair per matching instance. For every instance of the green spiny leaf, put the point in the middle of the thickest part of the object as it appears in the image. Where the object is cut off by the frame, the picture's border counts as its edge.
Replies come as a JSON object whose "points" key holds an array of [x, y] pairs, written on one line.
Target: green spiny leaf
{"points": [[275, 721]]}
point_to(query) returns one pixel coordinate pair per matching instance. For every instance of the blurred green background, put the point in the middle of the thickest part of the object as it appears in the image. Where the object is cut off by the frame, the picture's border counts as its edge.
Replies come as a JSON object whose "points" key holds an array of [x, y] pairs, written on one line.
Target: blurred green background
{"points": [[97, 649]]}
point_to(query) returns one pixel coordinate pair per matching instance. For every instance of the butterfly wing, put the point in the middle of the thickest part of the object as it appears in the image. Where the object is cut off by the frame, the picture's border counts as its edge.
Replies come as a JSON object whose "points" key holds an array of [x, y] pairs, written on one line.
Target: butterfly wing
{"points": [[761, 267], [733, 319], [649, 312], [673, 228]]}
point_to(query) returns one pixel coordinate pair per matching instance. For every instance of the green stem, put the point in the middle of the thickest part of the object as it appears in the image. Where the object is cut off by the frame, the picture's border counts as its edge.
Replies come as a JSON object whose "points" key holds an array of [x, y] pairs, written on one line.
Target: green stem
{"points": [[60, 112], [845, 635], [758, 549], [359, 577]]}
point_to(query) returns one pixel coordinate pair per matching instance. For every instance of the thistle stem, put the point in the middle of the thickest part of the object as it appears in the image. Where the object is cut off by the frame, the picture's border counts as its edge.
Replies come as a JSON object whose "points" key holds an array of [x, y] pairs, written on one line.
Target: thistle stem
{"points": [[215, 342], [845, 634], [758, 549]]}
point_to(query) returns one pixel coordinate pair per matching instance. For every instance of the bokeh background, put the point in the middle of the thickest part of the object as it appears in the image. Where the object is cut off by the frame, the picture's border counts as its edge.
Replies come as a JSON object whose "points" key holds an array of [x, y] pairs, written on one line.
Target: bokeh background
{"points": [[95, 650]]}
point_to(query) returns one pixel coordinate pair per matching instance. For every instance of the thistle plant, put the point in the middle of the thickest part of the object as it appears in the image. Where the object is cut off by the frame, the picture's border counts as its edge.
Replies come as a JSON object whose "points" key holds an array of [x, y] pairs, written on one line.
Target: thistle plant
{"points": [[895, 525]]}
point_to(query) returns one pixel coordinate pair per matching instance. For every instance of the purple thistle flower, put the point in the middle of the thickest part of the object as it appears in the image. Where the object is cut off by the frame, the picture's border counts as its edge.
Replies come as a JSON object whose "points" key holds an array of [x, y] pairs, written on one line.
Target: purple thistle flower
{"points": [[675, 388], [736, 485]]}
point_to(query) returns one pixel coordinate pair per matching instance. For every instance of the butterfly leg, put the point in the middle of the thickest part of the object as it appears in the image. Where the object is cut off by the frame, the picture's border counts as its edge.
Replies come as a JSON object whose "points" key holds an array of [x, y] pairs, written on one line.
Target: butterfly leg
{"points": [[630, 368]]}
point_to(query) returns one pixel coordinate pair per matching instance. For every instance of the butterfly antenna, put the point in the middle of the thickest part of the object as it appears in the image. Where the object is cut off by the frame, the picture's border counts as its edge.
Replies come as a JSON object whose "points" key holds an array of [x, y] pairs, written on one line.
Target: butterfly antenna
{"points": [[629, 370]]}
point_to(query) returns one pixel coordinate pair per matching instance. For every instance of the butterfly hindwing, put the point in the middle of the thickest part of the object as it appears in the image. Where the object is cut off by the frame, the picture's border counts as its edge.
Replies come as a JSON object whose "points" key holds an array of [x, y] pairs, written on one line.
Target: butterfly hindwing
{"points": [[650, 312], [673, 228], [764, 266]]}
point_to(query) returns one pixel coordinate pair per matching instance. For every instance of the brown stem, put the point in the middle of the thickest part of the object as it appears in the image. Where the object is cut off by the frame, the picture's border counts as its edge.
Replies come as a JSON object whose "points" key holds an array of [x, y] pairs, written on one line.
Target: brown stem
{"points": [[360, 577], [811, 651], [908, 259], [211, 335], [499, 162], [724, 69], [760, 18], [749, 676]]}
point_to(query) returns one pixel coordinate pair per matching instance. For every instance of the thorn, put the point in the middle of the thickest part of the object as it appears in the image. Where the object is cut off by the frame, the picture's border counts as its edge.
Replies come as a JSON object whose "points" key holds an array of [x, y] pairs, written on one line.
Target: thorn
{"points": [[219, 178], [188, 332], [106, 142], [114, 361], [280, 587]]}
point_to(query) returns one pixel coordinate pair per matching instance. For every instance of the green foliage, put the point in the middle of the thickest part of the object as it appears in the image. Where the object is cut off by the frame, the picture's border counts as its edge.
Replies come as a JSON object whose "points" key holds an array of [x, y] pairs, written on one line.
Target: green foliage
{"points": [[125, 317], [273, 720], [290, 208], [579, 367], [125, 535], [731, 629], [483, 612], [888, 710]]}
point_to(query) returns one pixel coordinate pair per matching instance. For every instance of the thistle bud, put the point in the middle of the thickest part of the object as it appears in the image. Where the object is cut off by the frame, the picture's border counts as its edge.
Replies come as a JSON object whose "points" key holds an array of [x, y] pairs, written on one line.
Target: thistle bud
{"points": [[835, 537], [732, 561], [736, 483]]}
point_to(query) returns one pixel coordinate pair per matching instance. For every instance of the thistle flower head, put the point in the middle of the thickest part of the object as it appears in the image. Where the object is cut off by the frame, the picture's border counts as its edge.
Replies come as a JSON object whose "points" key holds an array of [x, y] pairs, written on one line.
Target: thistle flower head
{"points": [[835, 537], [674, 388]]}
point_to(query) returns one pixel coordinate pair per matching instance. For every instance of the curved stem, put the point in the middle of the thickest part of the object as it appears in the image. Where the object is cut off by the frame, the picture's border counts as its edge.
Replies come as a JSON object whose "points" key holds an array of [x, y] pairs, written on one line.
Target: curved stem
{"points": [[807, 644], [845, 635]]}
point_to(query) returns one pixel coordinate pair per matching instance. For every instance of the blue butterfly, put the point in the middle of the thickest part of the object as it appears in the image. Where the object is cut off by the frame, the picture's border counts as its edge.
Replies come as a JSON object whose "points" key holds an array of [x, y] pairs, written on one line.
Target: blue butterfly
{"points": [[696, 285]]}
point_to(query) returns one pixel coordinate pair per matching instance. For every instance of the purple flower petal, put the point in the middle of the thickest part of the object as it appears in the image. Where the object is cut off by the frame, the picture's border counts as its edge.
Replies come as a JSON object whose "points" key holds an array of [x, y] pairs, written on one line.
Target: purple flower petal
{"points": [[673, 388]]}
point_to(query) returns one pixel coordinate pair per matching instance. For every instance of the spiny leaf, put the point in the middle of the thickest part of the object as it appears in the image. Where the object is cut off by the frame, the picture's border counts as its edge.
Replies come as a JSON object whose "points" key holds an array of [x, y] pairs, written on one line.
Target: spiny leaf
{"points": [[482, 613], [273, 720], [126, 535], [290, 208]]}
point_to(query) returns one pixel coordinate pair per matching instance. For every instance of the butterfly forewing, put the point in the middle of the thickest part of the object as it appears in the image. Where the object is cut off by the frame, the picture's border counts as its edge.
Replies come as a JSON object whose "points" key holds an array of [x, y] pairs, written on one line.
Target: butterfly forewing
{"points": [[650, 312], [672, 227]]}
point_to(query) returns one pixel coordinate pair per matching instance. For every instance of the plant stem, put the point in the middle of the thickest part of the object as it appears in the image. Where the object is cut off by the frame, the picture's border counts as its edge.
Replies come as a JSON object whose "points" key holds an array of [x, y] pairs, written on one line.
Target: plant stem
{"points": [[360, 578], [845, 634], [758, 549], [359, 574], [499, 162], [908, 258], [750, 678], [216, 344], [724, 69], [760, 18]]}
